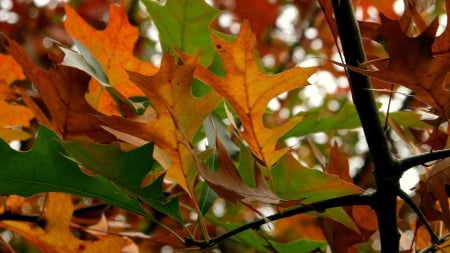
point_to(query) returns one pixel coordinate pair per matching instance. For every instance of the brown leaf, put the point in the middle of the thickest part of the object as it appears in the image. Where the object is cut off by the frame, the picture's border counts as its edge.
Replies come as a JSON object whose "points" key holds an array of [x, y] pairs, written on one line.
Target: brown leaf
{"points": [[340, 237], [228, 184], [55, 236], [438, 181], [62, 90], [338, 164]]}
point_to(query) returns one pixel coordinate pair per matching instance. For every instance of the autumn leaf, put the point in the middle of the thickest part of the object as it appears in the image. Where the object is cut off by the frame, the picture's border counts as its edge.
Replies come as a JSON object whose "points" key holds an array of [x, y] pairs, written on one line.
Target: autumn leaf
{"points": [[249, 91], [113, 48], [187, 29], [12, 115], [411, 63], [55, 235], [70, 114], [170, 92]]}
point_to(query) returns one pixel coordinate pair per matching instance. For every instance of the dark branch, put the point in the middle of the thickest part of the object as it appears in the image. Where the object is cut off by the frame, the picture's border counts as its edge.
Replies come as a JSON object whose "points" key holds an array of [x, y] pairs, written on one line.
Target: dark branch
{"points": [[409, 162], [321, 205]]}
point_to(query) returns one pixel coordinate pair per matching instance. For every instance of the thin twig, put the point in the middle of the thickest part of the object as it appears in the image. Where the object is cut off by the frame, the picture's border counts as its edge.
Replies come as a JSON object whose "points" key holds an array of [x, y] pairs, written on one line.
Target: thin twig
{"points": [[403, 195]]}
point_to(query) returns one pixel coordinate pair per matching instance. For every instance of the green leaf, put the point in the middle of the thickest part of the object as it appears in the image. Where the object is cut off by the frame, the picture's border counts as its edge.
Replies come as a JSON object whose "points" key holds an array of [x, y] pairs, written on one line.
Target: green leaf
{"points": [[126, 170], [45, 169], [315, 121], [85, 61], [299, 246], [207, 197], [293, 181], [409, 119], [184, 25]]}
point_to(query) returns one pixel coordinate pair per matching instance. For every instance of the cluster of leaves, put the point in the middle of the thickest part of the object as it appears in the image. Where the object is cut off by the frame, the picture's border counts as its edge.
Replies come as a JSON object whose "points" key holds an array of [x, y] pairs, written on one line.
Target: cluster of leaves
{"points": [[132, 134]]}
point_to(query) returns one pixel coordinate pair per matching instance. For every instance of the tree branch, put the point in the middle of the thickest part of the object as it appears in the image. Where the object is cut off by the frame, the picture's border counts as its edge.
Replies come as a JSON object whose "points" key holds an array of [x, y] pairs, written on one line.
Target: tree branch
{"points": [[387, 174], [409, 162], [363, 199]]}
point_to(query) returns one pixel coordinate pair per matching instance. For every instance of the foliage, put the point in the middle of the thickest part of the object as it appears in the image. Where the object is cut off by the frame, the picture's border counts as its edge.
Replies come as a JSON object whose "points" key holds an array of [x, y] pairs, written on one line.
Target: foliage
{"points": [[219, 133]]}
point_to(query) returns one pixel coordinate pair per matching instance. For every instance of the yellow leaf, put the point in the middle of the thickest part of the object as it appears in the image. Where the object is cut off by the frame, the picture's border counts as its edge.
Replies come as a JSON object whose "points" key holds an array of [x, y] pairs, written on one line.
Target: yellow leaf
{"points": [[170, 92], [55, 235], [113, 49], [249, 91]]}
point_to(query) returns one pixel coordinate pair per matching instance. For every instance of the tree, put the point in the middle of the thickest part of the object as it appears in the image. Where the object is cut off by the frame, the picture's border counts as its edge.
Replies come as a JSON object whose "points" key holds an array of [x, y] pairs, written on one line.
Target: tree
{"points": [[200, 142]]}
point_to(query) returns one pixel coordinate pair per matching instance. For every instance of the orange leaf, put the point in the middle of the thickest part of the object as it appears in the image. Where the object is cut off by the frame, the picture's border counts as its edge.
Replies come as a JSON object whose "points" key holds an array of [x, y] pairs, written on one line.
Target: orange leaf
{"points": [[55, 235], [12, 115], [113, 48], [249, 91], [170, 92], [10, 71], [62, 91]]}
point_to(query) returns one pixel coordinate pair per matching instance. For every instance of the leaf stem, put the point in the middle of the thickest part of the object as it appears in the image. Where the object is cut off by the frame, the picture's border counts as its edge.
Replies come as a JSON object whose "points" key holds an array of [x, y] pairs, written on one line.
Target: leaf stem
{"points": [[387, 174], [363, 199]]}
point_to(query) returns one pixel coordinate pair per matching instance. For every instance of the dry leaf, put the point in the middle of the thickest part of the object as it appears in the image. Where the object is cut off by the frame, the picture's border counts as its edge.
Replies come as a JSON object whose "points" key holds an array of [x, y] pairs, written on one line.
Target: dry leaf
{"points": [[62, 91], [55, 236], [249, 91]]}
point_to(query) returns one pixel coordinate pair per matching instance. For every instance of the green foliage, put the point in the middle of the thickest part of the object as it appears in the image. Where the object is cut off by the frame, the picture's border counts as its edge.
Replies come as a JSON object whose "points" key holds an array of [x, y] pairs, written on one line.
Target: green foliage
{"points": [[184, 25], [46, 169]]}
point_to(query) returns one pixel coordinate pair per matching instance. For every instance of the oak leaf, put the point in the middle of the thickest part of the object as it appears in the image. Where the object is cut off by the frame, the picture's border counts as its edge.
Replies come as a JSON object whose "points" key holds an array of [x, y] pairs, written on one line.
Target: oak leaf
{"points": [[55, 235], [62, 91], [170, 92], [249, 91], [113, 49]]}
